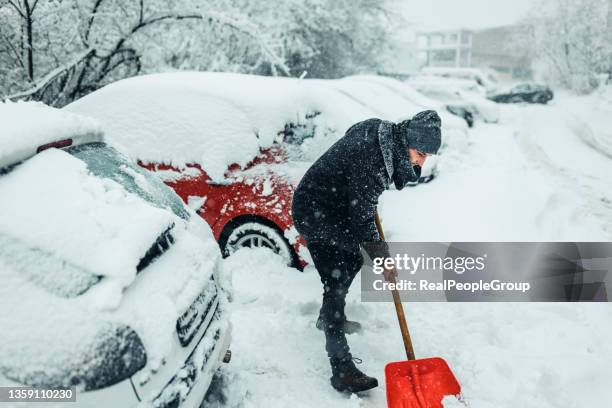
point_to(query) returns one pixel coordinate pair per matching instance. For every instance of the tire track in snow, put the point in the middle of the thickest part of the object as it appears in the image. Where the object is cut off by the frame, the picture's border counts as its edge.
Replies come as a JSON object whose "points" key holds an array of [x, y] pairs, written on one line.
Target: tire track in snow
{"points": [[593, 202]]}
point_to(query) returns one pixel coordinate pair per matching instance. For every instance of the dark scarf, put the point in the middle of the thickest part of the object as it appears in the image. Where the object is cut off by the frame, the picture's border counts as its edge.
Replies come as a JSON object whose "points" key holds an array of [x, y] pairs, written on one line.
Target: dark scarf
{"points": [[394, 147]]}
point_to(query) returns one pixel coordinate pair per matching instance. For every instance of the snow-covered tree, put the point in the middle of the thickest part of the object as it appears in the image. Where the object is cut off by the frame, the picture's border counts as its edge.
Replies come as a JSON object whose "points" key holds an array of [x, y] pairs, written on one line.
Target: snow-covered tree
{"points": [[59, 50], [571, 38], [326, 38], [334, 38]]}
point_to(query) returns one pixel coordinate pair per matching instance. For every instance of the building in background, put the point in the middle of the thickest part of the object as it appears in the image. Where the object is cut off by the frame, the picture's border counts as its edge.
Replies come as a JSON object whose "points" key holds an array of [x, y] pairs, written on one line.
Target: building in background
{"points": [[491, 48], [447, 48], [495, 48]]}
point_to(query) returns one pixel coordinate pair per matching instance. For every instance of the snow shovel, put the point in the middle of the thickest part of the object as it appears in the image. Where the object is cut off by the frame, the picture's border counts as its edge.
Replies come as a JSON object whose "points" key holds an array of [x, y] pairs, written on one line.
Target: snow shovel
{"points": [[421, 383]]}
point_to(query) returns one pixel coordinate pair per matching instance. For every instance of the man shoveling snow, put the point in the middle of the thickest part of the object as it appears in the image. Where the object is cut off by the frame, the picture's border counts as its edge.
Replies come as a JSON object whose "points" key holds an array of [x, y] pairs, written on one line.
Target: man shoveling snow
{"points": [[334, 209]]}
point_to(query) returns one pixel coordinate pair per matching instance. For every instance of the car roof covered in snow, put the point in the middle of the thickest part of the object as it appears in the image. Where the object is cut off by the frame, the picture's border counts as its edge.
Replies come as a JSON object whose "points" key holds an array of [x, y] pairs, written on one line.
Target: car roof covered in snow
{"points": [[401, 100], [25, 126], [213, 119], [484, 77], [440, 82], [217, 119]]}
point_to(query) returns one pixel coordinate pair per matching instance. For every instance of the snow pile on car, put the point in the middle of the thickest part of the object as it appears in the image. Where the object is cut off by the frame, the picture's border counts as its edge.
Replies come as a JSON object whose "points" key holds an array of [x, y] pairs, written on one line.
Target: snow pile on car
{"points": [[70, 245], [453, 91], [21, 134], [217, 119], [395, 100], [53, 340], [432, 81], [92, 223]]}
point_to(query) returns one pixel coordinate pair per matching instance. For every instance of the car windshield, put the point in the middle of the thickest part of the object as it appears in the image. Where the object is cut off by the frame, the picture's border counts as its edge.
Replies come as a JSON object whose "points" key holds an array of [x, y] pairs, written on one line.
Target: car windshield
{"points": [[441, 95], [104, 161], [522, 88], [44, 269]]}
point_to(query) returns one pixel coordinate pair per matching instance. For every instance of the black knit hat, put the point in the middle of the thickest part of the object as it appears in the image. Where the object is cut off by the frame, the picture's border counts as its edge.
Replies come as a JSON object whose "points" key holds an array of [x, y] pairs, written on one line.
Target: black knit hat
{"points": [[423, 132]]}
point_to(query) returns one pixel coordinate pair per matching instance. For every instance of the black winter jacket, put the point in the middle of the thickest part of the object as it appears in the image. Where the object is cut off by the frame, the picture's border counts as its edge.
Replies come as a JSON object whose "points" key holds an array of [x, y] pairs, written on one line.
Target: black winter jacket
{"points": [[335, 202]]}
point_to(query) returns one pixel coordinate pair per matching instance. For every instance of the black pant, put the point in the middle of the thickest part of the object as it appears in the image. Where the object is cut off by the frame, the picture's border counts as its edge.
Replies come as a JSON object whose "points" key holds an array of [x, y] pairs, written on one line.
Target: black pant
{"points": [[337, 267]]}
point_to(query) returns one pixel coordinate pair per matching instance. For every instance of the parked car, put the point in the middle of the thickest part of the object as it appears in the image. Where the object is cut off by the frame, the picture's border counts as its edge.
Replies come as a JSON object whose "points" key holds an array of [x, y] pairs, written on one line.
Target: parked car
{"points": [[462, 110], [395, 95], [235, 146], [388, 96], [484, 78], [458, 95], [110, 284], [527, 92]]}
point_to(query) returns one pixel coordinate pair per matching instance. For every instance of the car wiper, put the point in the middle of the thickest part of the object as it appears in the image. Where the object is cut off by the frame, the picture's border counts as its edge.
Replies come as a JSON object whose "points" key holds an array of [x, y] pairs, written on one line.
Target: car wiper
{"points": [[161, 245]]}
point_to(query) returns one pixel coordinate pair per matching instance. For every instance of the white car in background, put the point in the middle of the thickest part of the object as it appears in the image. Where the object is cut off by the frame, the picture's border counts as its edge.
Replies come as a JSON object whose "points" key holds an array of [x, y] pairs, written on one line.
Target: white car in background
{"points": [[403, 100], [483, 78], [398, 100], [110, 284], [457, 94]]}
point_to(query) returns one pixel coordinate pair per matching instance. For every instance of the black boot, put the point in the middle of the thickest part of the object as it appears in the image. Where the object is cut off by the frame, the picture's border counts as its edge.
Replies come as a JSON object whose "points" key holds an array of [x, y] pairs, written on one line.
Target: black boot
{"points": [[347, 377], [349, 326]]}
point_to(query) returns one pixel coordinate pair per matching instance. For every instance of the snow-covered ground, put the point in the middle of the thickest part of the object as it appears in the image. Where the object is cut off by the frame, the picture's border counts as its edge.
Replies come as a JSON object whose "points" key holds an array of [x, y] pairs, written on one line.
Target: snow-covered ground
{"points": [[532, 177]]}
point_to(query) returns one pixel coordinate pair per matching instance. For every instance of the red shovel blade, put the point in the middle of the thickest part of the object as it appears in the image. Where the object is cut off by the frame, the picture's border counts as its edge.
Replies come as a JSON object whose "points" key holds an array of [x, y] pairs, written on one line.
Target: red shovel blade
{"points": [[421, 383]]}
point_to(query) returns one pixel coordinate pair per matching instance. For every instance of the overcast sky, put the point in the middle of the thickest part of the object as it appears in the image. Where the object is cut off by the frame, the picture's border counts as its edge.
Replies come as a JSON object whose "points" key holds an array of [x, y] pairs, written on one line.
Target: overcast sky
{"points": [[442, 14]]}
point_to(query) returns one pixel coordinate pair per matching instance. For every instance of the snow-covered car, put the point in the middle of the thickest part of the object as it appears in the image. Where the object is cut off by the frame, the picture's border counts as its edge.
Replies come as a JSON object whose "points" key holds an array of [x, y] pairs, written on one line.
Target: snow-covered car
{"points": [[404, 100], [483, 78], [527, 92], [234, 146], [390, 98], [110, 284], [458, 95]]}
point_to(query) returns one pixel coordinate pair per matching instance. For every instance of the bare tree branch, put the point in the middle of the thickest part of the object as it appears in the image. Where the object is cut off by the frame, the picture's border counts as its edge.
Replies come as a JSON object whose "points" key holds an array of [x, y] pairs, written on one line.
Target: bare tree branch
{"points": [[12, 48], [51, 76], [17, 8], [92, 16], [141, 12], [29, 23], [93, 67]]}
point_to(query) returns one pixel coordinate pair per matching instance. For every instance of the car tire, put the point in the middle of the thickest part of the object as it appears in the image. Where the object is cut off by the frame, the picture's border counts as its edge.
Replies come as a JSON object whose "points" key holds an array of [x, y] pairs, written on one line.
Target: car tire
{"points": [[254, 234], [541, 99], [469, 118]]}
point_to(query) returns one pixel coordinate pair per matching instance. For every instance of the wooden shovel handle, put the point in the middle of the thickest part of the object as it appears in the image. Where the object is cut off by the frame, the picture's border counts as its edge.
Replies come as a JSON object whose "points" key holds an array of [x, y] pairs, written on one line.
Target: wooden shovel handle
{"points": [[399, 309]]}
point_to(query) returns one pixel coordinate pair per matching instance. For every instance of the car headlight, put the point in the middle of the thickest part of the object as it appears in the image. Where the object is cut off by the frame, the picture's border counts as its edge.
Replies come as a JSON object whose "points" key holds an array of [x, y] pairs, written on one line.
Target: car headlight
{"points": [[115, 354]]}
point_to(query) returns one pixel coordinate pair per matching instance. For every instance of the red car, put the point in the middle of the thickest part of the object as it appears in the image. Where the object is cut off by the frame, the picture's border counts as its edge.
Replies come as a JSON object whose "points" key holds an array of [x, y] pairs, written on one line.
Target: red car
{"points": [[251, 207], [235, 146]]}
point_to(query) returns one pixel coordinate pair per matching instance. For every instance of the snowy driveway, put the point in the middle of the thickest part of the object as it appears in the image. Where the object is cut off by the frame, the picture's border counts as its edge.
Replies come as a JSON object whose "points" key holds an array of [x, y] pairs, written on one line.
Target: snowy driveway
{"points": [[515, 181]]}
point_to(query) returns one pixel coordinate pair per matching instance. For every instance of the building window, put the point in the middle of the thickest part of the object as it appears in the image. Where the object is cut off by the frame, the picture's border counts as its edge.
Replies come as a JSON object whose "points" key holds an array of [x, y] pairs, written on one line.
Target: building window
{"points": [[443, 58], [436, 39]]}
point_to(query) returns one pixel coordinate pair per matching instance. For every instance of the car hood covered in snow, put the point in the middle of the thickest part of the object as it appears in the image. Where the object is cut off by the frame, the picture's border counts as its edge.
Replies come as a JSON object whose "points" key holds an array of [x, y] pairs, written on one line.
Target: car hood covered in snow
{"points": [[56, 205], [71, 298]]}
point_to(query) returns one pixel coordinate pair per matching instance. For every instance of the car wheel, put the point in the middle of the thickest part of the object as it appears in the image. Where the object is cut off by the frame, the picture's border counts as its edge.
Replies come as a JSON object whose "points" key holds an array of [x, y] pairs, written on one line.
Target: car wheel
{"points": [[253, 234], [539, 98], [427, 179], [469, 118]]}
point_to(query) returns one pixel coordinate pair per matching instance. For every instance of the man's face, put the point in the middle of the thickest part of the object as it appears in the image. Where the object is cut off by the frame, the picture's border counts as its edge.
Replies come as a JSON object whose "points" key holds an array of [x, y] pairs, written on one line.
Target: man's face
{"points": [[417, 158]]}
